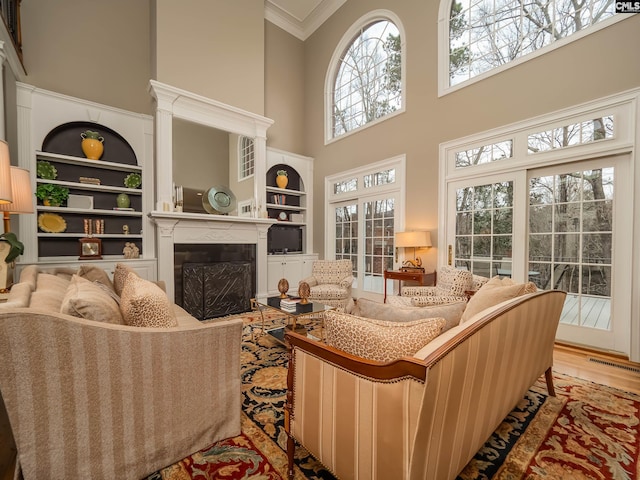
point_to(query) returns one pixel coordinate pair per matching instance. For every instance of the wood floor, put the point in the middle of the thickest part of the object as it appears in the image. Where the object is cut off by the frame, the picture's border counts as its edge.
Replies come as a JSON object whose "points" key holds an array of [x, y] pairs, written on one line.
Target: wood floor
{"points": [[597, 367]]}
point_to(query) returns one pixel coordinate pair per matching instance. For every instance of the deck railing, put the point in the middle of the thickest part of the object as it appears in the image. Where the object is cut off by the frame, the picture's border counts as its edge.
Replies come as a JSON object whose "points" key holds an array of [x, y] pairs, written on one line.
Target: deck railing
{"points": [[10, 11]]}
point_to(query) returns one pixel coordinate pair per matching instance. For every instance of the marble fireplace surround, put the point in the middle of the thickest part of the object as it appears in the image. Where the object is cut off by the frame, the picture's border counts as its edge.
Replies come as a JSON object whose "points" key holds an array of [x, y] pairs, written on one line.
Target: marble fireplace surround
{"points": [[176, 228]]}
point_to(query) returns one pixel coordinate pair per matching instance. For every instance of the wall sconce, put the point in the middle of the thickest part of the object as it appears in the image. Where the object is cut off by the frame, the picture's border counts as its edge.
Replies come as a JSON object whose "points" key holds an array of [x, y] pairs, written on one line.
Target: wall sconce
{"points": [[413, 240], [22, 196]]}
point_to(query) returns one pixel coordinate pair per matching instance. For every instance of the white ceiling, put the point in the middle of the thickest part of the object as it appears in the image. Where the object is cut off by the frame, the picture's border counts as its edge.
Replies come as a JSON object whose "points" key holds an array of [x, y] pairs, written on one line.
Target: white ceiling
{"points": [[300, 17]]}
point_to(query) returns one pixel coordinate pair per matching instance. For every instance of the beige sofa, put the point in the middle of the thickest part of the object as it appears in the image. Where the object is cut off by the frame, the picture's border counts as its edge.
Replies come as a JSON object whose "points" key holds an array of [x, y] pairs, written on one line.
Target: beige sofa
{"points": [[425, 416], [106, 400]]}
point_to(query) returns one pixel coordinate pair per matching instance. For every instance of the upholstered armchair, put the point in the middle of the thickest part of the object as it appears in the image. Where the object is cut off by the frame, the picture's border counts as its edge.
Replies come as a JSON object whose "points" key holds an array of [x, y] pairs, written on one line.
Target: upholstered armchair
{"points": [[330, 283], [451, 285]]}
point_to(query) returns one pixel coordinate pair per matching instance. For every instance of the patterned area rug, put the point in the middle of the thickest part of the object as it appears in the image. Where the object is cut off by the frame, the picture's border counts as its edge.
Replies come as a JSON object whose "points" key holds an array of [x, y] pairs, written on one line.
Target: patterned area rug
{"points": [[588, 431]]}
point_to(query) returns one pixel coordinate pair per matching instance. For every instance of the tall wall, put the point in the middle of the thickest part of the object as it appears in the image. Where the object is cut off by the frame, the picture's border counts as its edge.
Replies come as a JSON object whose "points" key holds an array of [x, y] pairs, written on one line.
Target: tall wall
{"points": [[94, 50], [213, 48], [590, 68], [284, 89]]}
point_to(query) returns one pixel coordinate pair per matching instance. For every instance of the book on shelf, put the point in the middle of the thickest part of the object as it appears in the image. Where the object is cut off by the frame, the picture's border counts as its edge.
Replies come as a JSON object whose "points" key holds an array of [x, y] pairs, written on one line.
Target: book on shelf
{"points": [[279, 199]]}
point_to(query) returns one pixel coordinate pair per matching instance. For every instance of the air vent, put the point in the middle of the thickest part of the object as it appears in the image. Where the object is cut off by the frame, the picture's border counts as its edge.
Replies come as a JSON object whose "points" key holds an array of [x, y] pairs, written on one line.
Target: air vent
{"points": [[614, 364]]}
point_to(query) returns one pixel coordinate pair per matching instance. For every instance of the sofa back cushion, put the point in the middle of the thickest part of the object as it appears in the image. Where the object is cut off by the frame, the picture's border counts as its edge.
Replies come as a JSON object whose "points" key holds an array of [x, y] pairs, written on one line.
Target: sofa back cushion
{"points": [[94, 273], [495, 291], [379, 340], [451, 312], [144, 304], [86, 299]]}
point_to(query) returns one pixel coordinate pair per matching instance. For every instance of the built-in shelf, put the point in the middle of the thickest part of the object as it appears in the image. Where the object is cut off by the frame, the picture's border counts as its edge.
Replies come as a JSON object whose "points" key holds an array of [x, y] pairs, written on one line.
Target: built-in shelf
{"points": [[71, 160]]}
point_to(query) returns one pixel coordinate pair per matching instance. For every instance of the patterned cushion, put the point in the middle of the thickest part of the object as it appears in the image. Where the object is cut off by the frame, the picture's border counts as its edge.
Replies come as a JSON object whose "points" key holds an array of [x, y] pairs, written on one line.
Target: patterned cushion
{"points": [[94, 273], [436, 300], [86, 299], [391, 313], [120, 276], [328, 291], [495, 291], [377, 339], [331, 271], [144, 304]]}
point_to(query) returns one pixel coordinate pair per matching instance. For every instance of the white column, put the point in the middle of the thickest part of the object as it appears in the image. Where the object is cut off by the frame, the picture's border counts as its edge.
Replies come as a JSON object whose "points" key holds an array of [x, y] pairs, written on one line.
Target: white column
{"points": [[166, 262]]}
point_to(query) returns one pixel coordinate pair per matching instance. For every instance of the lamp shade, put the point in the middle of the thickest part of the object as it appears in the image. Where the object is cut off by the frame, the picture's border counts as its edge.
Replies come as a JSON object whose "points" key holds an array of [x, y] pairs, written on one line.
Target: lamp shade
{"points": [[413, 239], [6, 195], [22, 195]]}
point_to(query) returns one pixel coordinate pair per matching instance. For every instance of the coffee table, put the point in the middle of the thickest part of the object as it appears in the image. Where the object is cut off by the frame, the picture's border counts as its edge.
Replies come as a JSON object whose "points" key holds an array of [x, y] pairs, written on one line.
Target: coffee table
{"points": [[302, 310]]}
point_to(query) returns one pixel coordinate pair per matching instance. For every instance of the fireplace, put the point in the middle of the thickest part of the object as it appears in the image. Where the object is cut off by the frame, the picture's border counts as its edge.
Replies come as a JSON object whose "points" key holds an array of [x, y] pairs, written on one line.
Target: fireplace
{"points": [[214, 280]]}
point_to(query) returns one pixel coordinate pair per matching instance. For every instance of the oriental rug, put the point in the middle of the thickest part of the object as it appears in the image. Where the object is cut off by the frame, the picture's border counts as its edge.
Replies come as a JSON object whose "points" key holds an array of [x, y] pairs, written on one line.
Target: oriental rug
{"points": [[588, 431]]}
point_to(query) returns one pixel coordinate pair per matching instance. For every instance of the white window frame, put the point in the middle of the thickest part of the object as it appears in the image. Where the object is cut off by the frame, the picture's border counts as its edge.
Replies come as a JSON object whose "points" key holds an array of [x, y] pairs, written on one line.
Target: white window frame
{"points": [[625, 108], [362, 194], [334, 66], [443, 49], [241, 158]]}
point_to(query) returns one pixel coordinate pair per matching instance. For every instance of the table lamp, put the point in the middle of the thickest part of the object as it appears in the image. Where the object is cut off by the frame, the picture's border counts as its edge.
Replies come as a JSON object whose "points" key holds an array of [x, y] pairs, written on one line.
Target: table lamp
{"points": [[22, 196], [6, 193], [413, 240]]}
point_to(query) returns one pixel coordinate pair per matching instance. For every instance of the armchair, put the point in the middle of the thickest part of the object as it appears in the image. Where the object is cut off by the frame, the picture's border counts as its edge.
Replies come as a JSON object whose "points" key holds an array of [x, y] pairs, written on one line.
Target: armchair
{"points": [[450, 288], [330, 282]]}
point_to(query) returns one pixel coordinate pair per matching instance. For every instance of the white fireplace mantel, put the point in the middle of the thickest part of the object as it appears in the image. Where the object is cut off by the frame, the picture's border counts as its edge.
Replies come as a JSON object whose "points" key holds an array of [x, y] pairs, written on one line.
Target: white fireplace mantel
{"points": [[184, 228]]}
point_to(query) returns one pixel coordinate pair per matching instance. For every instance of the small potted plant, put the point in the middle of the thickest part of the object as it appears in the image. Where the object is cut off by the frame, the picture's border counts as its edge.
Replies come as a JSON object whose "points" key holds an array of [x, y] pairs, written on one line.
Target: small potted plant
{"points": [[17, 247], [52, 195], [282, 178]]}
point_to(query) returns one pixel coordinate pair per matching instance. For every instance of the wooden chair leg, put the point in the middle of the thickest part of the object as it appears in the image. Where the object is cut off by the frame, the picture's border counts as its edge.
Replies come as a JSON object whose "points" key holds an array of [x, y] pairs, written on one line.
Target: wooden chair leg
{"points": [[549, 377]]}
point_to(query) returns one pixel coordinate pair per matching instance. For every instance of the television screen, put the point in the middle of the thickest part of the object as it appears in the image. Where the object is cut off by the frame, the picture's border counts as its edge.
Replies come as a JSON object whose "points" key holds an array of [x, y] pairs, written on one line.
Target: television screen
{"points": [[281, 239]]}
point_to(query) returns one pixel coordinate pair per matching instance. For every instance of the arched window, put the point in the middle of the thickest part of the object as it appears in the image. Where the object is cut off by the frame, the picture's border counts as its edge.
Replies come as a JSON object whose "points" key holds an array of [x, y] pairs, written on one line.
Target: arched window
{"points": [[483, 35], [365, 81]]}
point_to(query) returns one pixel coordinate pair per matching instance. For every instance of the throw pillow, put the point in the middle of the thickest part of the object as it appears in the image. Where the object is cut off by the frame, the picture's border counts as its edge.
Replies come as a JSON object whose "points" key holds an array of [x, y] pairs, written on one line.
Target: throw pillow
{"points": [[451, 312], [120, 275], [495, 291], [94, 273], [144, 304], [377, 339], [85, 299]]}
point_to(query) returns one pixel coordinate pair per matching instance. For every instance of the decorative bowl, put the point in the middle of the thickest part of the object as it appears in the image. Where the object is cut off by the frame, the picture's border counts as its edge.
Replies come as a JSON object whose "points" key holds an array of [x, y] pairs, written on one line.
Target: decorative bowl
{"points": [[51, 223], [133, 180]]}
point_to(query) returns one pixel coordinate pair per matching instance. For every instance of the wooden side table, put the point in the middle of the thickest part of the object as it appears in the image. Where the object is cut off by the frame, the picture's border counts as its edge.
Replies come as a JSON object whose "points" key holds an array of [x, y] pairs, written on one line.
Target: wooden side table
{"points": [[422, 278]]}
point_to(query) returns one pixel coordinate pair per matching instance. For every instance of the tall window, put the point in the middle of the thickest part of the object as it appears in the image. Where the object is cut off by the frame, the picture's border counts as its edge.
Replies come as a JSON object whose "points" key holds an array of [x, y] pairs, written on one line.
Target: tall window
{"points": [[485, 34], [364, 206], [366, 75], [246, 157]]}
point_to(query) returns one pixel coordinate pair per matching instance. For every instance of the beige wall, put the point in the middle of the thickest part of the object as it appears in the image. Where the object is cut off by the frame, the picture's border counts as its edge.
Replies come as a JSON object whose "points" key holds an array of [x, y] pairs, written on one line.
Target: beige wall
{"points": [[213, 48], [284, 89], [590, 68], [97, 51]]}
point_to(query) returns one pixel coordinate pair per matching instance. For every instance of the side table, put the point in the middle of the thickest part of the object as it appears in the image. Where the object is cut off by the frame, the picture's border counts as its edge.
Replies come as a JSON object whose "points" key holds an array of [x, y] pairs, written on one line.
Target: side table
{"points": [[422, 278]]}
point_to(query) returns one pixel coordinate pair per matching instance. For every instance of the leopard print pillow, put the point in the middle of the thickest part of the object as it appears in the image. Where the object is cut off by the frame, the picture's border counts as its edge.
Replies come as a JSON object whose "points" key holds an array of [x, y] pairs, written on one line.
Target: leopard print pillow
{"points": [[144, 304], [379, 340]]}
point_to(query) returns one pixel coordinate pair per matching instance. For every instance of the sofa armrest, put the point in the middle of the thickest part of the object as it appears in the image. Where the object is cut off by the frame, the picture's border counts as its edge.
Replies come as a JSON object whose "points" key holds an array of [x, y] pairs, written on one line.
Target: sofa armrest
{"points": [[346, 282], [97, 400], [312, 281], [387, 395]]}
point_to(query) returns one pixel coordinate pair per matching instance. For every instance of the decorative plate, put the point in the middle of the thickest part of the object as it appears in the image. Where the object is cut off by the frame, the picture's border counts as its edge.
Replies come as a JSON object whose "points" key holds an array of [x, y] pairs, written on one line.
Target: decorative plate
{"points": [[51, 223], [220, 200], [45, 170], [133, 180]]}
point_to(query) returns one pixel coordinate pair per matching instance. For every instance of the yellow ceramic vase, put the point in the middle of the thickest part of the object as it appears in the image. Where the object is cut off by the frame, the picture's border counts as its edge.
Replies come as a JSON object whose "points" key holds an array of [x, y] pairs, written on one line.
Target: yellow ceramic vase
{"points": [[92, 148], [282, 181]]}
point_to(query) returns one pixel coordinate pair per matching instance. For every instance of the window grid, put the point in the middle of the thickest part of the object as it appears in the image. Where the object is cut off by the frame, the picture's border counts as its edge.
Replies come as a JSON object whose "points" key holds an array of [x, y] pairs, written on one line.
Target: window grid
{"points": [[484, 154], [484, 229], [347, 234], [379, 230], [486, 34], [377, 179], [571, 135], [368, 81], [247, 157]]}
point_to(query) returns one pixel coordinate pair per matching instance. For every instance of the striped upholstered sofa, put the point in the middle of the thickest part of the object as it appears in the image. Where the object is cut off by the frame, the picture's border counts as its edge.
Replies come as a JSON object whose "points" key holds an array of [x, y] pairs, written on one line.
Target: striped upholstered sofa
{"points": [[90, 396], [420, 417]]}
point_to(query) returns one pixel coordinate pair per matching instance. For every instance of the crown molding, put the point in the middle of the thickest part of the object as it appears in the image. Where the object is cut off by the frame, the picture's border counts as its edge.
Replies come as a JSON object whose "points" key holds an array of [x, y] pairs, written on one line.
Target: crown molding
{"points": [[301, 29]]}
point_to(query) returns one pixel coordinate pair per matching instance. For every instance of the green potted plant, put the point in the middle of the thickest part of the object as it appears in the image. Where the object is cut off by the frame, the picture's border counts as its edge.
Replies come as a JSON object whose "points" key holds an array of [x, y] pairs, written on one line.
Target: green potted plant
{"points": [[52, 195], [17, 247]]}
